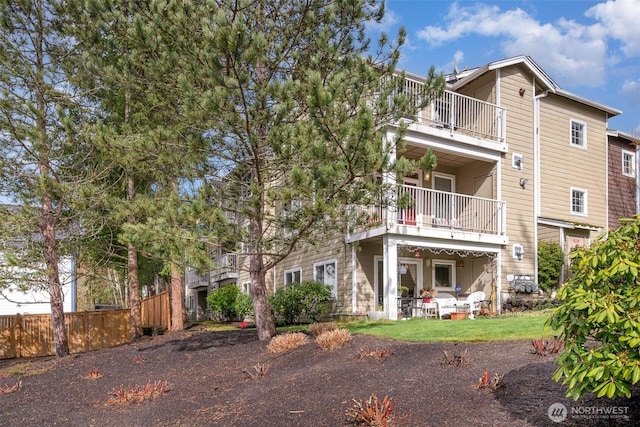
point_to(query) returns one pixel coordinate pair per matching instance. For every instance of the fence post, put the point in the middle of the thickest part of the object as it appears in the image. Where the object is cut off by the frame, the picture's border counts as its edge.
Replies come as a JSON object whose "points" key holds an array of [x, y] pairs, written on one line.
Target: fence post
{"points": [[18, 335]]}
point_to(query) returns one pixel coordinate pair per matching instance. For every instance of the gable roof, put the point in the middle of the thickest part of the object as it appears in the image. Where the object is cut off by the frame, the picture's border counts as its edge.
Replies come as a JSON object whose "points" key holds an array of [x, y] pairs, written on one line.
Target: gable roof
{"points": [[544, 81]]}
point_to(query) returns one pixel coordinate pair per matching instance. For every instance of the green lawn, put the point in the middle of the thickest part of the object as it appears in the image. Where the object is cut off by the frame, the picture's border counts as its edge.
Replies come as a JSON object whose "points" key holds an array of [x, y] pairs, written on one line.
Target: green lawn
{"points": [[506, 327]]}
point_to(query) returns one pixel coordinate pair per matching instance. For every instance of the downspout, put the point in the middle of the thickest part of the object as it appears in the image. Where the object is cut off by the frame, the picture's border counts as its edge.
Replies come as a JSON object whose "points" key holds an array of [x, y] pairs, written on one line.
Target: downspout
{"points": [[536, 173]]}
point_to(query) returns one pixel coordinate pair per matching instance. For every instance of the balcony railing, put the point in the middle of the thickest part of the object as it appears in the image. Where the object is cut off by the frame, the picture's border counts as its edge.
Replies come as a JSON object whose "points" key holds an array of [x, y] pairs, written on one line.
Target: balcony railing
{"points": [[459, 113], [422, 207], [224, 266]]}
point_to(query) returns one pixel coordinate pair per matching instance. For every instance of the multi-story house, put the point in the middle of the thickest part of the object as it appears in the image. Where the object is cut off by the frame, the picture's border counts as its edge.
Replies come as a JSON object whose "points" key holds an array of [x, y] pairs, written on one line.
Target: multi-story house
{"points": [[624, 181], [519, 160]]}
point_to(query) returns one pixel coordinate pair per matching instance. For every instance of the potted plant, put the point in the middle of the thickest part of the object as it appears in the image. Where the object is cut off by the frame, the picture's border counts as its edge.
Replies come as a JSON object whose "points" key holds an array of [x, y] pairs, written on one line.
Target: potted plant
{"points": [[426, 294], [403, 291]]}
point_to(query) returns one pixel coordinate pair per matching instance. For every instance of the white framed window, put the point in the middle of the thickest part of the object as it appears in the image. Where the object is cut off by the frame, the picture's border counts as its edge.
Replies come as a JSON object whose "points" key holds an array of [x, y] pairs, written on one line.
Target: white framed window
{"points": [[629, 163], [578, 201], [578, 133], [246, 288], [290, 216], [326, 272], [292, 276], [444, 274]]}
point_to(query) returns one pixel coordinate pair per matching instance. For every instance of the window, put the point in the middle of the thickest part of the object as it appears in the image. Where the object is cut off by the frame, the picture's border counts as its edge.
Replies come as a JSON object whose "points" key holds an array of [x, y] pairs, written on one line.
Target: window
{"points": [[578, 134], [292, 276], [444, 274], [628, 163], [325, 272], [291, 216], [578, 201], [246, 288]]}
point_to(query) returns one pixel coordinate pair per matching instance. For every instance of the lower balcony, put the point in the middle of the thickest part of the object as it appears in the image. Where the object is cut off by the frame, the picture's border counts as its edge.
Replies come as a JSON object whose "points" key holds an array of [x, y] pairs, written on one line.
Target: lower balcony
{"points": [[433, 213]]}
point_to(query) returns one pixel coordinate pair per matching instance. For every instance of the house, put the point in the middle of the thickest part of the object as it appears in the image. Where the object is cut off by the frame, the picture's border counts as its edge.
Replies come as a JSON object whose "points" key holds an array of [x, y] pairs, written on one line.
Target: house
{"points": [[519, 160], [624, 181], [36, 300]]}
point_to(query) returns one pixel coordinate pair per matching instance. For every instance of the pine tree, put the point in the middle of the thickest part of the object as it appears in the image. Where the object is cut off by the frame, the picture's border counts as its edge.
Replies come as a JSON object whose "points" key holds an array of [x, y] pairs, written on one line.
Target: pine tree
{"points": [[37, 161], [295, 103], [127, 69]]}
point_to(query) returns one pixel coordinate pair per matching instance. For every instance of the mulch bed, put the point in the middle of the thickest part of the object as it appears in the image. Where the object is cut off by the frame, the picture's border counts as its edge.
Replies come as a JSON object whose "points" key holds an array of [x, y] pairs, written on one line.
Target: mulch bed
{"points": [[219, 378]]}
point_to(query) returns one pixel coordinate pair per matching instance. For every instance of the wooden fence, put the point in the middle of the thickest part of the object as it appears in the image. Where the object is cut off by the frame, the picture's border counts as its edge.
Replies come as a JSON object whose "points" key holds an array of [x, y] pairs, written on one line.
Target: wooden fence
{"points": [[32, 335], [155, 311]]}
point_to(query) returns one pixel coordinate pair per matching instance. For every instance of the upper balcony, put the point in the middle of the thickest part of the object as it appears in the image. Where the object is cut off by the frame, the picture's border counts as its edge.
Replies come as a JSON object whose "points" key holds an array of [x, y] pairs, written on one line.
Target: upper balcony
{"points": [[435, 214], [457, 116], [225, 267]]}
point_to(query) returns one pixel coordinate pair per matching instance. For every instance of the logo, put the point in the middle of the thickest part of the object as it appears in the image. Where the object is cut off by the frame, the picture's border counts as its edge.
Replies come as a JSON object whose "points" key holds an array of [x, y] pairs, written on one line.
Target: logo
{"points": [[557, 412]]}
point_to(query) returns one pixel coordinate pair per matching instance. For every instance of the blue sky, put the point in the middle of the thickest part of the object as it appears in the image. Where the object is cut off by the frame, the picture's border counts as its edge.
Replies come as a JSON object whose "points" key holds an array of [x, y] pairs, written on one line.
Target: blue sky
{"points": [[589, 48]]}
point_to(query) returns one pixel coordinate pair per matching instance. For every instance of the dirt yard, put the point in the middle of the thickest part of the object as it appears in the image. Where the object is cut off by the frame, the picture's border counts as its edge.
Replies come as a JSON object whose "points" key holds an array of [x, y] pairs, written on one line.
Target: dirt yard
{"points": [[228, 379]]}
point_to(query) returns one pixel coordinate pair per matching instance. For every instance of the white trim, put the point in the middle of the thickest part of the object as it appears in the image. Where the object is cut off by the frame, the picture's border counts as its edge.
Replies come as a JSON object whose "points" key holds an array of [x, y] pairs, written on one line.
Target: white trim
{"points": [[291, 271], [334, 285], [515, 157], [354, 280], [632, 163], [448, 262], [448, 176], [584, 133], [584, 201]]}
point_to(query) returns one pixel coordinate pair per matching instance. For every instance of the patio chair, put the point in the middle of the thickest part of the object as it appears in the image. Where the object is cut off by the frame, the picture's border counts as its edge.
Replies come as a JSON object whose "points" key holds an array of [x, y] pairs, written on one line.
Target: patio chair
{"points": [[445, 303], [473, 300]]}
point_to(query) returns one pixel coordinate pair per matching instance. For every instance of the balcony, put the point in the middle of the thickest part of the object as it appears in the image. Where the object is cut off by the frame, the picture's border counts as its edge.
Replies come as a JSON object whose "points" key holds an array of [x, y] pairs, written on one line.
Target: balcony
{"points": [[195, 280], [459, 114], [432, 213], [225, 267]]}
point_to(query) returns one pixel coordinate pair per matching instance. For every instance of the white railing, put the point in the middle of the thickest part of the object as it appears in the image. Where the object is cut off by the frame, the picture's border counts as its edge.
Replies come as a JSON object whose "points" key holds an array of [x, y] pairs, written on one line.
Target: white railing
{"points": [[422, 207], [459, 113], [224, 265]]}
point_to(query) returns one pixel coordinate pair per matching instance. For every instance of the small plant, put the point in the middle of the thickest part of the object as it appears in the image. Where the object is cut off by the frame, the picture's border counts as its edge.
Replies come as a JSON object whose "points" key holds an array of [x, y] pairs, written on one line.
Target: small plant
{"points": [[135, 394], [12, 389], [486, 381], [334, 339], [456, 359], [286, 342], [371, 412], [260, 371], [316, 329], [93, 374], [300, 301], [379, 354], [136, 360], [543, 347]]}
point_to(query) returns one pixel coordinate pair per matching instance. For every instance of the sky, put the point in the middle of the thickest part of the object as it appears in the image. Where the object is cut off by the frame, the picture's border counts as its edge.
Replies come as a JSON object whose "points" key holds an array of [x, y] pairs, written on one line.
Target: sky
{"points": [[589, 48]]}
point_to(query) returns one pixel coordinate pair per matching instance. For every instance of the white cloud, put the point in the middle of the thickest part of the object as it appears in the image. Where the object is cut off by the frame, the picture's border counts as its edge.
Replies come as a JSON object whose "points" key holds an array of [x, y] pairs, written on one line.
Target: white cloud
{"points": [[559, 47], [630, 91], [620, 20], [389, 21]]}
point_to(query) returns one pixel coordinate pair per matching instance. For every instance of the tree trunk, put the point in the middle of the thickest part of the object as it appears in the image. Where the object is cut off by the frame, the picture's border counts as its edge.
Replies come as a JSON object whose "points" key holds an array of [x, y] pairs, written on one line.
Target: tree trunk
{"points": [[132, 266], [177, 307], [48, 223], [134, 292], [53, 283], [261, 308]]}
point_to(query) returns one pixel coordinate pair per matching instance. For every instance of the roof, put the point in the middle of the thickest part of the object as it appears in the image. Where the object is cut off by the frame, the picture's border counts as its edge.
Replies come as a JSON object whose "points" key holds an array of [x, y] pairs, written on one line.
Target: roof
{"points": [[460, 79]]}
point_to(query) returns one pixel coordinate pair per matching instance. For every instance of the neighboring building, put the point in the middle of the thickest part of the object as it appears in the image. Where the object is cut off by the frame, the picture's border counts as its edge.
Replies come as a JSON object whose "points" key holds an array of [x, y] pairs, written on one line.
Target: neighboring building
{"points": [[37, 301], [624, 182], [519, 160]]}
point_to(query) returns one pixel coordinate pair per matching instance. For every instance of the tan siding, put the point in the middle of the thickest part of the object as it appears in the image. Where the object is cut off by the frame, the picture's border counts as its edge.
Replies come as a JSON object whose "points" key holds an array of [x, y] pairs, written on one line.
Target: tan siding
{"points": [[520, 137], [549, 234], [563, 166]]}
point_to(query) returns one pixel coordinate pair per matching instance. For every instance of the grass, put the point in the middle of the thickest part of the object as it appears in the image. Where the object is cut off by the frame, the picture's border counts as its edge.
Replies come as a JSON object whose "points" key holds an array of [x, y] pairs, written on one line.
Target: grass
{"points": [[518, 326]]}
